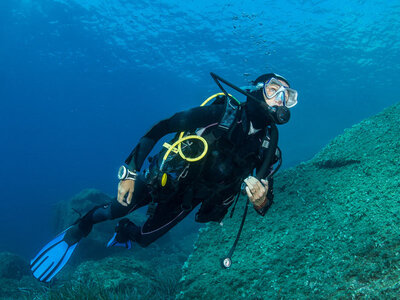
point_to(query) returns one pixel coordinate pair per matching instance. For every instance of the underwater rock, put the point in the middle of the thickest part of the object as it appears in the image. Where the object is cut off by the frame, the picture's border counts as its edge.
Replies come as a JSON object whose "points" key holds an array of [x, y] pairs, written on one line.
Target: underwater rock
{"points": [[12, 266], [332, 231], [154, 277], [16, 280], [68, 211]]}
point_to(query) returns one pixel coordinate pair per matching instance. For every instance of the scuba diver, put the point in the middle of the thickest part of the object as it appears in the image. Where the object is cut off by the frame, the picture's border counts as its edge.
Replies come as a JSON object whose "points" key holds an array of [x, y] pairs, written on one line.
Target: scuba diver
{"points": [[219, 151]]}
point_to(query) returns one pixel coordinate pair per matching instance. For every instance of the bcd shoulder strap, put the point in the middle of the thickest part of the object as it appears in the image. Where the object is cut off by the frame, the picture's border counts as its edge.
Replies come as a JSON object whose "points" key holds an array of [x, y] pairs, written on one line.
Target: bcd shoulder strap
{"points": [[227, 122], [229, 115]]}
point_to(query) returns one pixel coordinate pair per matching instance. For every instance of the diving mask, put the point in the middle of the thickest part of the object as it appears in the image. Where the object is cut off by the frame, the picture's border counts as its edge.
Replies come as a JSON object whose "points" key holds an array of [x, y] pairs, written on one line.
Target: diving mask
{"points": [[274, 88]]}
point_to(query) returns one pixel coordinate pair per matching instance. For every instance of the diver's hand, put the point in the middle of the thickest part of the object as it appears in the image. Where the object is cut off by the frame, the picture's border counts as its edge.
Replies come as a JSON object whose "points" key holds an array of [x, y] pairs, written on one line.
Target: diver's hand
{"points": [[257, 191], [125, 191]]}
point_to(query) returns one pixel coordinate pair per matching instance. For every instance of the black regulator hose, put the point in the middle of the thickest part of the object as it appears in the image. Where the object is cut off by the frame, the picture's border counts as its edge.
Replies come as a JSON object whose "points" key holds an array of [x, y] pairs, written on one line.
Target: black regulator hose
{"points": [[273, 145], [226, 262], [278, 115]]}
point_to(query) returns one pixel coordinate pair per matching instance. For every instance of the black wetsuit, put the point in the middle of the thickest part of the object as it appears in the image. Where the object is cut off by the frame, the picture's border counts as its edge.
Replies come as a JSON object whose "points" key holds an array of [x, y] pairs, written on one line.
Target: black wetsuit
{"points": [[229, 160]]}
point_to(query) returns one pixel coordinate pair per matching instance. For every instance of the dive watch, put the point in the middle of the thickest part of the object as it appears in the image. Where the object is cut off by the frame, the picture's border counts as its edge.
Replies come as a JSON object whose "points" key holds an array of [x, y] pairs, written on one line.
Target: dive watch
{"points": [[124, 173]]}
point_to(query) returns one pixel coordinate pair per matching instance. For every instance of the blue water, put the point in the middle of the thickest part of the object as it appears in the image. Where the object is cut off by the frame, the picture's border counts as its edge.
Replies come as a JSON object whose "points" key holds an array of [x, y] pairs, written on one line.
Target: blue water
{"points": [[81, 81]]}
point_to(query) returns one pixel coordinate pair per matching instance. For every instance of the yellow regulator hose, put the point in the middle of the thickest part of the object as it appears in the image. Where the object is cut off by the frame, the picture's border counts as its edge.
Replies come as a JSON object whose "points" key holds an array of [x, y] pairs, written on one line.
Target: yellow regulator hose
{"points": [[189, 137]]}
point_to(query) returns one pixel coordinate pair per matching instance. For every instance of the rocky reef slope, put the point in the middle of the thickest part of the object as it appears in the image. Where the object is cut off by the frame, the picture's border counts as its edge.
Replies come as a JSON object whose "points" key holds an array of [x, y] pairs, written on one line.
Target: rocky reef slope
{"points": [[331, 233]]}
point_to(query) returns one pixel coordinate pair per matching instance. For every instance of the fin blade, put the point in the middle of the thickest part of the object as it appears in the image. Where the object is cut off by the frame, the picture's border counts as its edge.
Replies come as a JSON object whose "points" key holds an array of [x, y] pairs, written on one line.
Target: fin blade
{"points": [[62, 263], [52, 258], [112, 242], [49, 245]]}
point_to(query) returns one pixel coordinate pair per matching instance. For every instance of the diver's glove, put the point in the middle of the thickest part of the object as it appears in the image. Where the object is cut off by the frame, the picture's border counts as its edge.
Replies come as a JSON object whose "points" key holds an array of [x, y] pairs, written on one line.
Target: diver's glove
{"points": [[121, 235]]}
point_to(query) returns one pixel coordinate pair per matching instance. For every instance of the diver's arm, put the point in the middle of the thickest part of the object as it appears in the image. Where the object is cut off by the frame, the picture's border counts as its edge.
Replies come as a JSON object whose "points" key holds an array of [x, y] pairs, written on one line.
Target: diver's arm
{"points": [[182, 121]]}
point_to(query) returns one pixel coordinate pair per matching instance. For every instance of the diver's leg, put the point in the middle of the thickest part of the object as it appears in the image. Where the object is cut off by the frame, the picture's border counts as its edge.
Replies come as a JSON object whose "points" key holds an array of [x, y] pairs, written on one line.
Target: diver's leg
{"points": [[109, 211], [55, 254], [166, 216]]}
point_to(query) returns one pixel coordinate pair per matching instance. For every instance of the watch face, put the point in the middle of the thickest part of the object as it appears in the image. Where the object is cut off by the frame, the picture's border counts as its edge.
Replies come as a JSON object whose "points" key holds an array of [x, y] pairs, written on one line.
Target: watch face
{"points": [[121, 172]]}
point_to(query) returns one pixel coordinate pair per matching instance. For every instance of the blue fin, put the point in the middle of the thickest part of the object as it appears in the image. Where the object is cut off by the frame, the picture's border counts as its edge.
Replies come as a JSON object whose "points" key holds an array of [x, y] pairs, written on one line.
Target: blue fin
{"points": [[114, 242], [53, 257]]}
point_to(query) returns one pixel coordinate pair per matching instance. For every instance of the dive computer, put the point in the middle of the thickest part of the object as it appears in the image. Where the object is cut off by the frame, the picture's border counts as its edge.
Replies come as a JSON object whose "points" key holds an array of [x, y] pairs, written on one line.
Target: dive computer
{"points": [[124, 173]]}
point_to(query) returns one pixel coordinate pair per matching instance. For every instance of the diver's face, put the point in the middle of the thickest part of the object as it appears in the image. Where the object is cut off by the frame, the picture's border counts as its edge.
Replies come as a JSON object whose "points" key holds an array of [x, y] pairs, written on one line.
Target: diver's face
{"points": [[275, 101]]}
